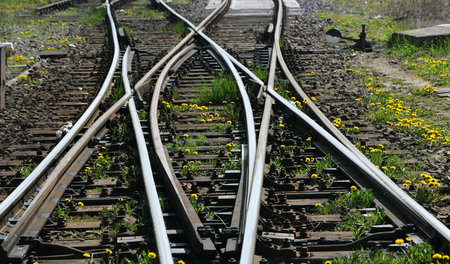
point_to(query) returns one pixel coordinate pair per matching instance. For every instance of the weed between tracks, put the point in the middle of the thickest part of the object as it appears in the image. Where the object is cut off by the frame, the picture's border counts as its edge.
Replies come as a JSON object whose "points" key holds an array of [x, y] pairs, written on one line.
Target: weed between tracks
{"points": [[224, 88], [414, 254], [93, 16], [24, 168]]}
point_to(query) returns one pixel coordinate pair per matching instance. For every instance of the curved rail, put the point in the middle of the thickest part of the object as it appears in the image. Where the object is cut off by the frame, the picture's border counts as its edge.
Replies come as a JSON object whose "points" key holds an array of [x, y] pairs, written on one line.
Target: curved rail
{"points": [[11, 240], [37, 173], [251, 220], [335, 140], [198, 30], [146, 79], [162, 240], [250, 123], [423, 218]]}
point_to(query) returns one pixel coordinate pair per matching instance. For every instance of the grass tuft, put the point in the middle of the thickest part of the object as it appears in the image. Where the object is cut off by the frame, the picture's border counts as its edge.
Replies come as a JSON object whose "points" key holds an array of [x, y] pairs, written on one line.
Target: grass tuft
{"points": [[224, 88], [93, 16]]}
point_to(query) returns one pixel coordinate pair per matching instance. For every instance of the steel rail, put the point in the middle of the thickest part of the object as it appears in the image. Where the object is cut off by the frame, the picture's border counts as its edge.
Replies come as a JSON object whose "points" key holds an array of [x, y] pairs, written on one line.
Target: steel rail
{"points": [[389, 188], [250, 123], [218, 49], [252, 218], [159, 227], [146, 78], [36, 174], [13, 237], [186, 210], [375, 173]]}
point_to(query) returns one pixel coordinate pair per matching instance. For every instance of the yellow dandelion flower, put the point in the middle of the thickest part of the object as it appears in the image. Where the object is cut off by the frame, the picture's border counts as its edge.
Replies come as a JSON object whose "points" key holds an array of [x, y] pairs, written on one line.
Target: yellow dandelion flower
{"points": [[445, 257], [152, 255], [281, 125], [399, 241], [353, 188], [308, 139], [318, 205], [282, 146], [180, 262], [194, 196], [314, 176], [187, 150], [313, 98], [86, 255], [328, 262], [195, 153], [437, 256], [67, 200], [108, 250], [80, 203], [186, 135], [408, 239], [229, 122]]}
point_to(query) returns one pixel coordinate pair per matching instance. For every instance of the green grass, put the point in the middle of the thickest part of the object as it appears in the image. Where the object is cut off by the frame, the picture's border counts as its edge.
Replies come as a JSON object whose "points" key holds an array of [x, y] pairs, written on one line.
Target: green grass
{"points": [[378, 29], [404, 112], [224, 88], [355, 199], [415, 254], [145, 12], [181, 28], [430, 61], [359, 223], [93, 16]]}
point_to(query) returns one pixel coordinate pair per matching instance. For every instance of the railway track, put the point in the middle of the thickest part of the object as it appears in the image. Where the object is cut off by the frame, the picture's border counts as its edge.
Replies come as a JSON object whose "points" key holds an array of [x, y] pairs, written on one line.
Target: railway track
{"points": [[206, 160]]}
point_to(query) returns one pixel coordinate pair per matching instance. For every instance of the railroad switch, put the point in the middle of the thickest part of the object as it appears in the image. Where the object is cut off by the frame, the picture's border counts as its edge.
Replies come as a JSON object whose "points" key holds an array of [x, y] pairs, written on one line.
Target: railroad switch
{"points": [[334, 36]]}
